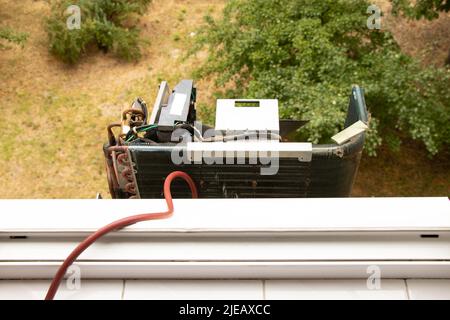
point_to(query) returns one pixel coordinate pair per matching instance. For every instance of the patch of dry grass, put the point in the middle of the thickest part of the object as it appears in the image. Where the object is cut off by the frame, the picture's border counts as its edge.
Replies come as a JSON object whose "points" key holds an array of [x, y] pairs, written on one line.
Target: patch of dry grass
{"points": [[408, 172], [54, 116]]}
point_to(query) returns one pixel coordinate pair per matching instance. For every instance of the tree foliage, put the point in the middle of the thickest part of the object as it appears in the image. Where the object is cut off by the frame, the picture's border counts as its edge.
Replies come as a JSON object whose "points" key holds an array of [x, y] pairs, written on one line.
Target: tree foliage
{"points": [[307, 54], [418, 9], [111, 25], [429, 9]]}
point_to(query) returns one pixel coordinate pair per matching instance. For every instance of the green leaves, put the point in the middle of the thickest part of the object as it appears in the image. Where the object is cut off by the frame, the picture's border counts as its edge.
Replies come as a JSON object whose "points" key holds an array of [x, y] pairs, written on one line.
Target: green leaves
{"points": [[428, 9], [12, 36], [307, 54], [108, 24]]}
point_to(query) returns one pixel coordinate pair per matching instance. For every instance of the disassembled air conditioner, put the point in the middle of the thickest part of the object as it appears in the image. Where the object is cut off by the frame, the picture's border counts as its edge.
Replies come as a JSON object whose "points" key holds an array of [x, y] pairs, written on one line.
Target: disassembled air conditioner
{"points": [[246, 155]]}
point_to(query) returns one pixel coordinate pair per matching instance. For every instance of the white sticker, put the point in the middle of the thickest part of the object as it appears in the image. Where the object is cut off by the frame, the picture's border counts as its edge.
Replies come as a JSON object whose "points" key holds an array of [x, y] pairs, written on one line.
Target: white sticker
{"points": [[179, 100]]}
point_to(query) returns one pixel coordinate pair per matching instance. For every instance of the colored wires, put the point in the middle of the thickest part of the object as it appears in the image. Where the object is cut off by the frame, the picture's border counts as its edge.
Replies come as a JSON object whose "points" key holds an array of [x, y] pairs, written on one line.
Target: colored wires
{"points": [[133, 133]]}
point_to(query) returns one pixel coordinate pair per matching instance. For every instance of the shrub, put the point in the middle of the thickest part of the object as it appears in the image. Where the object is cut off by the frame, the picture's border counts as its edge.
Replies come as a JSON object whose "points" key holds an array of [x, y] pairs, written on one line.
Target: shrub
{"points": [[307, 54], [428, 9], [422, 9], [12, 36], [111, 25]]}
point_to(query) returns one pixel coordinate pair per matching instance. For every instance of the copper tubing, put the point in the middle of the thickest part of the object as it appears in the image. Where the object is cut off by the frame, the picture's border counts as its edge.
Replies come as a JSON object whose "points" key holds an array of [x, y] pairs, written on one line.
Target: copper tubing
{"points": [[134, 112], [117, 148], [131, 188], [127, 174], [111, 137], [140, 115], [122, 158]]}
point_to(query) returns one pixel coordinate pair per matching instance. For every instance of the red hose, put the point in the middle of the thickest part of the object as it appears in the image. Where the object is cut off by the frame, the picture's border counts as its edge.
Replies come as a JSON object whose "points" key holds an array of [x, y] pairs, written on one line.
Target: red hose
{"points": [[119, 224]]}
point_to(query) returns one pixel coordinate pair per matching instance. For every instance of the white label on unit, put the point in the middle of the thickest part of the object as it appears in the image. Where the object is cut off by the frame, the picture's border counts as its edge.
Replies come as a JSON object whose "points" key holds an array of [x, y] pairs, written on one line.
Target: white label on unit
{"points": [[179, 100], [263, 115]]}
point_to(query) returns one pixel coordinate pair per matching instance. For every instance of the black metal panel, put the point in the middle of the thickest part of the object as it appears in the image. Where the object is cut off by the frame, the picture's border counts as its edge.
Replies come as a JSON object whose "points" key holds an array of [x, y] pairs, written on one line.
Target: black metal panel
{"points": [[220, 180], [322, 177]]}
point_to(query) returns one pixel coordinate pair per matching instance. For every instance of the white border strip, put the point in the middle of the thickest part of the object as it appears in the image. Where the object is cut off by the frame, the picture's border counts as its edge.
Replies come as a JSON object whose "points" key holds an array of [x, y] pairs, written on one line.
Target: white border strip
{"points": [[232, 270], [232, 238]]}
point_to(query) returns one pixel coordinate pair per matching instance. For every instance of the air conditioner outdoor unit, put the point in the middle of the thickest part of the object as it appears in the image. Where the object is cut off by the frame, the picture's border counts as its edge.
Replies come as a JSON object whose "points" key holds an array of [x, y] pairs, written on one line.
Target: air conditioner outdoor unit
{"points": [[246, 155]]}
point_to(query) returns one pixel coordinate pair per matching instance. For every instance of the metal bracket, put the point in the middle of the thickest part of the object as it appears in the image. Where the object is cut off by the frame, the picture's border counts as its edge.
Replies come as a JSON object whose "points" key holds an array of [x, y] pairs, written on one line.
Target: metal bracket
{"points": [[350, 132]]}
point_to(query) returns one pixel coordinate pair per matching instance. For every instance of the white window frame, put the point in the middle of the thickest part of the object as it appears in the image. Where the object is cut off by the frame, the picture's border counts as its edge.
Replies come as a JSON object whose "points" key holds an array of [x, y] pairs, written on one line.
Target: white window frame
{"points": [[231, 238]]}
